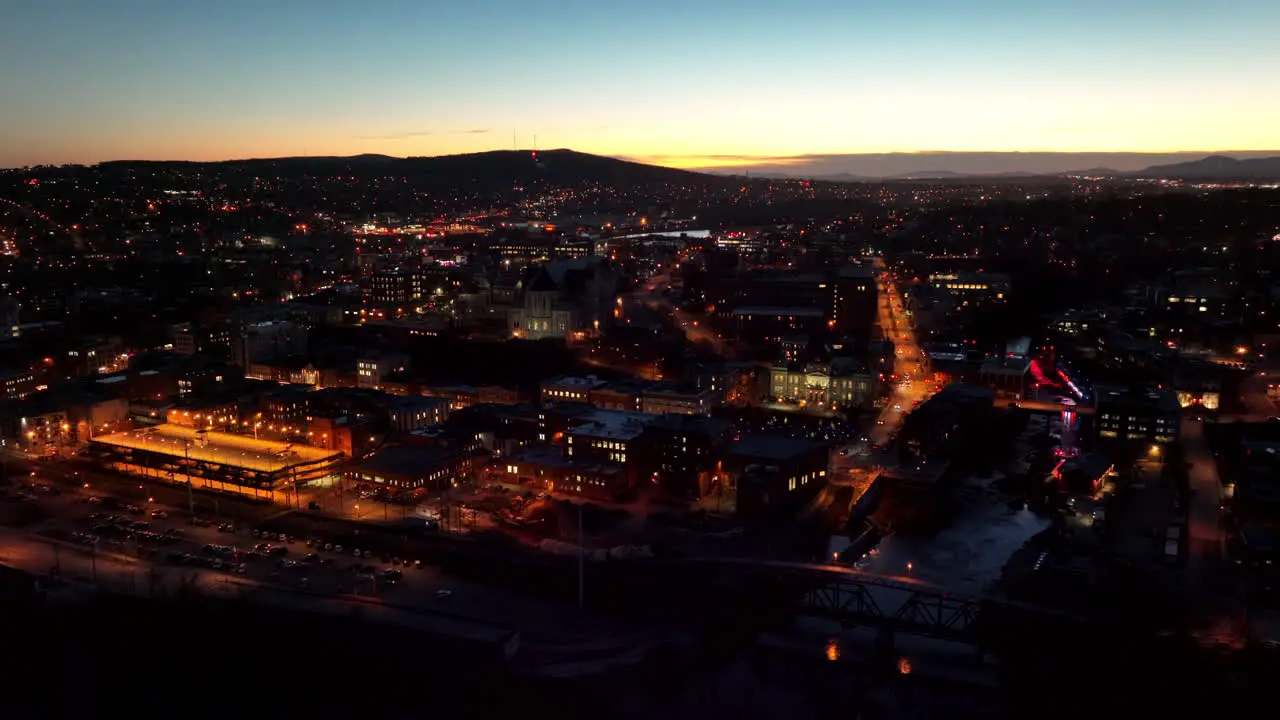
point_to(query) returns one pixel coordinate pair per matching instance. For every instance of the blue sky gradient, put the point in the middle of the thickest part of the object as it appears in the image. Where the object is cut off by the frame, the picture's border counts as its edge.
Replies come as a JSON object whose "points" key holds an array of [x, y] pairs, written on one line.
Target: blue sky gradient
{"points": [[673, 81]]}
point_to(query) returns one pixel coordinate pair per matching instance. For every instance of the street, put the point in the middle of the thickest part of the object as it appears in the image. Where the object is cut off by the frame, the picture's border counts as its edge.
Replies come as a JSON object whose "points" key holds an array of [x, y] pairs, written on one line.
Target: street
{"points": [[1222, 620], [651, 294], [912, 386], [1204, 516]]}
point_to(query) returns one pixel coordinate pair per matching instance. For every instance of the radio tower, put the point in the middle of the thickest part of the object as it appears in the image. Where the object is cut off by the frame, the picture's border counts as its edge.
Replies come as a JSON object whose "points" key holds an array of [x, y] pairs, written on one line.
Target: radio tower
{"points": [[535, 147]]}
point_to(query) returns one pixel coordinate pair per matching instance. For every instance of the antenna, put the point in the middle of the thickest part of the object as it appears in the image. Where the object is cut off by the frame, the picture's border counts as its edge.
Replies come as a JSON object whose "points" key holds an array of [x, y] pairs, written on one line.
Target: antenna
{"points": [[535, 143], [515, 144]]}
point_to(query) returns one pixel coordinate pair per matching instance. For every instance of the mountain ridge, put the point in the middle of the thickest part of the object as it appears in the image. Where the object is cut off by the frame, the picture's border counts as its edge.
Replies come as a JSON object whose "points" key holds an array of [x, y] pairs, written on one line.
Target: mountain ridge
{"points": [[566, 165]]}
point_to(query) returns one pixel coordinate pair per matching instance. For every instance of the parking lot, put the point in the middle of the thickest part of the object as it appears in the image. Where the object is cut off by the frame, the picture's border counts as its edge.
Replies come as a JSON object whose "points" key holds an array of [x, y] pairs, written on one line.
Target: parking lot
{"points": [[136, 537]]}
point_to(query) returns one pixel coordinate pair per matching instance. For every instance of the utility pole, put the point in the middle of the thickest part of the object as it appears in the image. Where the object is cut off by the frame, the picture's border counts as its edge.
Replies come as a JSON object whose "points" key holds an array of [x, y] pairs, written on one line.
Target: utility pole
{"points": [[582, 557], [191, 497]]}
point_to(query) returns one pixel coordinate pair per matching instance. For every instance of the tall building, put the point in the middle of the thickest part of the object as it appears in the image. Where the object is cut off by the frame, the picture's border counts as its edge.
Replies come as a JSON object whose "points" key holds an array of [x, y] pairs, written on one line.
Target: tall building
{"points": [[266, 341], [189, 339], [854, 301], [395, 287]]}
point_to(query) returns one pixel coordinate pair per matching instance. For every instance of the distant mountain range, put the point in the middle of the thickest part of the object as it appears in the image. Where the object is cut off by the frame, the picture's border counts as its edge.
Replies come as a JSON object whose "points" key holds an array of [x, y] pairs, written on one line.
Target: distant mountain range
{"points": [[477, 171], [877, 167], [502, 168], [1217, 167]]}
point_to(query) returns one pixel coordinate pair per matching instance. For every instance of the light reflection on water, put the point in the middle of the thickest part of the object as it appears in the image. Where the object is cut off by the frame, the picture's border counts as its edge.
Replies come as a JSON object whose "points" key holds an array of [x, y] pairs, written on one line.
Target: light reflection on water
{"points": [[968, 556]]}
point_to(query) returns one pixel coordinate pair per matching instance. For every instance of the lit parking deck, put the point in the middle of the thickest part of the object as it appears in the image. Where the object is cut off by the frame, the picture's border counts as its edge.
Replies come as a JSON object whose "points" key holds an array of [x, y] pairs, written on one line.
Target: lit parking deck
{"points": [[219, 448]]}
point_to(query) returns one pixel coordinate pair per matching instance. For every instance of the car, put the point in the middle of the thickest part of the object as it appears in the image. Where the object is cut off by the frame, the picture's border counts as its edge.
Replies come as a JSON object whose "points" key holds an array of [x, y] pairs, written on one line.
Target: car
{"points": [[442, 594], [159, 514], [95, 500]]}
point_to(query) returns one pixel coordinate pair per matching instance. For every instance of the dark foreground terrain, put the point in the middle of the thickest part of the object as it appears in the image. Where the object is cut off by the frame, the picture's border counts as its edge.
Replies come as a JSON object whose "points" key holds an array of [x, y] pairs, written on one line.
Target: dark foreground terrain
{"points": [[213, 659]]}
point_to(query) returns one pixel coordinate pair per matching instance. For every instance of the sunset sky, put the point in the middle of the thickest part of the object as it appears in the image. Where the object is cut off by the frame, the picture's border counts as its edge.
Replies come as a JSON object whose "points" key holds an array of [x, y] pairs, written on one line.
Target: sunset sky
{"points": [[688, 83]]}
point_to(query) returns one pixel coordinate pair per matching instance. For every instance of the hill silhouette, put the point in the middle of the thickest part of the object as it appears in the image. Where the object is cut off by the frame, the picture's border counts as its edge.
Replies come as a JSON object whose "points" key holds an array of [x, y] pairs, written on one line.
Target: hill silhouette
{"points": [[498, 168], [1217, 167]]}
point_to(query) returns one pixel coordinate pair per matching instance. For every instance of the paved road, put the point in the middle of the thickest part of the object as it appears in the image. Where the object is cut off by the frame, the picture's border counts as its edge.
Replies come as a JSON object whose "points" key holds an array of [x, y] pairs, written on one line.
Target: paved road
{"points": [[1253, 393], [1221, 620], [1204, 516], [913, 386], [650, 293]]}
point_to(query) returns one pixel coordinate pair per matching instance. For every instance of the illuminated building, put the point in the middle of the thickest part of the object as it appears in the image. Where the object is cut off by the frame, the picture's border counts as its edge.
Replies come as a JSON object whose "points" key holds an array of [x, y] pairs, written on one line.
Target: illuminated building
{"points": [[570, 389], [564, 299], [371, 369], [1138, 415], [414, 413], [841, 383], [411, 467], [620, 395], [675, 399], [16, 384], [606, 435], [214, 460], [972, 288], [189, 339], [685, 449], [397, 287], [768, 471], [854, 301]]}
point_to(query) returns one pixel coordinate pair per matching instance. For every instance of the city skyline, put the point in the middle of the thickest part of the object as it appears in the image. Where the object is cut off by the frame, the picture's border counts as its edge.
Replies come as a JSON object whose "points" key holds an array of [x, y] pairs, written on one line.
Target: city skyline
{"points": [[706, 84]]}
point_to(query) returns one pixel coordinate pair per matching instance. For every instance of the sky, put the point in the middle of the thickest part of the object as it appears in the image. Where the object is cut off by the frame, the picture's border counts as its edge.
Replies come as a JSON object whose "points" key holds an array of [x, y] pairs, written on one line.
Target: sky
{"points": [[685, 83]]}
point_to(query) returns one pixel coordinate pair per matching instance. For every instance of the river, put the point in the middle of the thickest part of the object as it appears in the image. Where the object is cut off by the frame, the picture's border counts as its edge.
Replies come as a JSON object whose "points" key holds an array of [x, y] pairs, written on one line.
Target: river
{"points": [[969, 555]]}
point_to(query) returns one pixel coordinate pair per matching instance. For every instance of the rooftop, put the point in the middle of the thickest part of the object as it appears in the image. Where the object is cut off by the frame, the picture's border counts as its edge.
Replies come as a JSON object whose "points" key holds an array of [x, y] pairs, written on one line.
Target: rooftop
{"points": [[408, 460], [240, 451], [1160, 399], [569, 381], [1092, 465], [680, 422], [553, 457], [773, 447], [612, 424], [779, 310]]}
